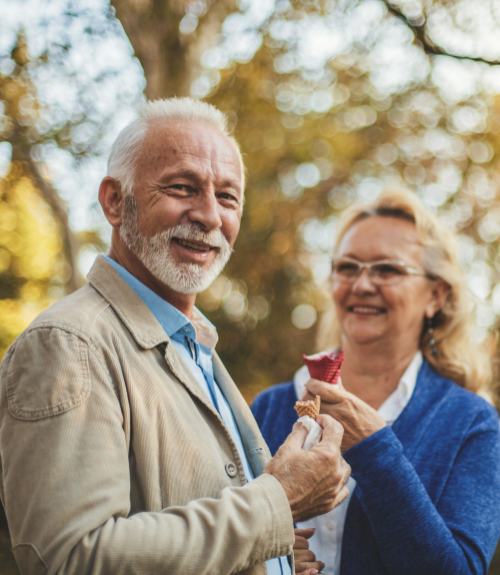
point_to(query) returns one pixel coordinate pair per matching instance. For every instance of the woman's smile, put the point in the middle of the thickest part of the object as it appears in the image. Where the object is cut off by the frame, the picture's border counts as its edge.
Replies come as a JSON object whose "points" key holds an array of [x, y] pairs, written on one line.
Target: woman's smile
{"points": [[366, 310]]}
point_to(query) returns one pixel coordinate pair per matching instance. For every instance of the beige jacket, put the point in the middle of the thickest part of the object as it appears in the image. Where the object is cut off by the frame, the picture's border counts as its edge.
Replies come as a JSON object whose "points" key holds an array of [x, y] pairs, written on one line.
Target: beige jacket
{"points": [[114, 462]]}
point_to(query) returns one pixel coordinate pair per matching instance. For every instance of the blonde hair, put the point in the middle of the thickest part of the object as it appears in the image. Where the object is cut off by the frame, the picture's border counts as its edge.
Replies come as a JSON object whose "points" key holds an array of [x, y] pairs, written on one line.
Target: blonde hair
{"points": [[459, 356]]}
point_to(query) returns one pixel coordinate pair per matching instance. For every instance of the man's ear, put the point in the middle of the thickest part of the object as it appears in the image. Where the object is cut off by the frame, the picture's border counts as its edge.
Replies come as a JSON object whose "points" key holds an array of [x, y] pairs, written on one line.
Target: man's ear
{"points": [[111, 200], [439, 293]]}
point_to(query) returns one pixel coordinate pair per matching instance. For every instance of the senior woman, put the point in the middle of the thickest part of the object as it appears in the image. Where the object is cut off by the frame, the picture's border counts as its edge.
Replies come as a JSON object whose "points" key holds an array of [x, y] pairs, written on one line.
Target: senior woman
{"points": [[424, 447]]}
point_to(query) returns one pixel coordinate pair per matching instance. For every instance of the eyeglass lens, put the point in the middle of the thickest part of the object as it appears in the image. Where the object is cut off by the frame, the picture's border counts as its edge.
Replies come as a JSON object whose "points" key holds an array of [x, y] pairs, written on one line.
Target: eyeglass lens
{"points": [[380, 273]]}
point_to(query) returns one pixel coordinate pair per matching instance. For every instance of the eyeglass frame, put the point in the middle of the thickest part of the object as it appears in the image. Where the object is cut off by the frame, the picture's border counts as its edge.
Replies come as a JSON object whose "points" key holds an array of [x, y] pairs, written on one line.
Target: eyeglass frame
{"points": [[368, 266]]}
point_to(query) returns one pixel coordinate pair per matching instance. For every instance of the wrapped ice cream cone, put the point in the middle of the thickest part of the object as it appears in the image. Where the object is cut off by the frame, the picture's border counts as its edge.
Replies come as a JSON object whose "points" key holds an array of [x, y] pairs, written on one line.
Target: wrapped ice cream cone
{"points": [[310, 407]]}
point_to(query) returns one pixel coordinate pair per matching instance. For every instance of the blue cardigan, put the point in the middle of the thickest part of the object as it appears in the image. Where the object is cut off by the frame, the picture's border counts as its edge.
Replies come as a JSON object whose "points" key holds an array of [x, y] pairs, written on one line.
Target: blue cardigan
{"points": [[427, 499]]}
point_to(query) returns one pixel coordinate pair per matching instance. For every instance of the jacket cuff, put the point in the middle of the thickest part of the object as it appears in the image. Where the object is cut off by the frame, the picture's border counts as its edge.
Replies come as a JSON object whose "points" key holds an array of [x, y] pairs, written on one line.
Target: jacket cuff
{"points": [[284, 534]]}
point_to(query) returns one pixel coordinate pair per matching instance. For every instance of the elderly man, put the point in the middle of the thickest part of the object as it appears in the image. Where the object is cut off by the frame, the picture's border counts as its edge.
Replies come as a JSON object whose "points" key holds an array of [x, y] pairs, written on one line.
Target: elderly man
{"points": [[125, 446]]}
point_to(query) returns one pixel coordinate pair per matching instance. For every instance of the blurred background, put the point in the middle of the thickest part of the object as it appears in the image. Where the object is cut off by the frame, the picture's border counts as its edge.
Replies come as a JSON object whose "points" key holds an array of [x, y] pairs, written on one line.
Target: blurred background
{"points": [[331, 100]]}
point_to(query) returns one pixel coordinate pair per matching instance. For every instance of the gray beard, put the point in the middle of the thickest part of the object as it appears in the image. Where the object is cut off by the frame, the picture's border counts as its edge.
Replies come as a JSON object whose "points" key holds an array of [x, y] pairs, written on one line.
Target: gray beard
{"points": [[154, 252]]}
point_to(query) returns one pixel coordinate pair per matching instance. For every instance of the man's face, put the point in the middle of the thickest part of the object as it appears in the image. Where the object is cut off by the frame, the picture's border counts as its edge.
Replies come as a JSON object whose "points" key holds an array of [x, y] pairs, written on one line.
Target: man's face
{"points": [[185, 215]]}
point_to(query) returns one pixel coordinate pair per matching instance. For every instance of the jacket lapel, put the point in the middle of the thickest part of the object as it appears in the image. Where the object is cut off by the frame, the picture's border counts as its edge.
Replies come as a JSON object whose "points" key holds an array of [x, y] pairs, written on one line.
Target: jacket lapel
{"points": [[255, 447], [185, 376], [142, 324], [423, 406], [130, 308]]}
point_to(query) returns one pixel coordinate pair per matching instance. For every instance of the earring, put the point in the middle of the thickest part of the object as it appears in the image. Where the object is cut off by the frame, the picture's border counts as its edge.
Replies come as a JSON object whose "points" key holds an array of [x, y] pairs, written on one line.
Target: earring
{"points": [[432, 341]]}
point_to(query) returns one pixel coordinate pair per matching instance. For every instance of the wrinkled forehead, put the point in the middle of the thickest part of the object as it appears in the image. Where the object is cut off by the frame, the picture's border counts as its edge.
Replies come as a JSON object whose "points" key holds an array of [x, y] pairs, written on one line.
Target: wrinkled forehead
{"points": [[379, 237], [168, 140]]}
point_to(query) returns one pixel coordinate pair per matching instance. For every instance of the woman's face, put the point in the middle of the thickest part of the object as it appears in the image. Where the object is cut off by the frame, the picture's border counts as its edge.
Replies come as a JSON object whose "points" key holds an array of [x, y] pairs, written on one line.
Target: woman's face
{"points": [[370, 313]]}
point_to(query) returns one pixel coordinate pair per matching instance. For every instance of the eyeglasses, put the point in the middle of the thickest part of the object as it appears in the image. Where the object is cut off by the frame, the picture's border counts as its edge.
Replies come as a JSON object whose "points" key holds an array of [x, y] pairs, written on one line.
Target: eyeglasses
{"points": [[382, 272]]}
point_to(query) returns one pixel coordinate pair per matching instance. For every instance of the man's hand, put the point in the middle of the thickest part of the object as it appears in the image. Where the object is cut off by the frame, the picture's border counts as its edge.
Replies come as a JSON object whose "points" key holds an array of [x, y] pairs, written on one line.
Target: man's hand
{"points": [[314, 481], [305, 560], [358, 419]]}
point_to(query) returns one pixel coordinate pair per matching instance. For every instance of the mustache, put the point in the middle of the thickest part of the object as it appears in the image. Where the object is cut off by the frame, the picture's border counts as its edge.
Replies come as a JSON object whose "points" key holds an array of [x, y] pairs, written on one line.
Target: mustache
{"points": [[215, 238]]}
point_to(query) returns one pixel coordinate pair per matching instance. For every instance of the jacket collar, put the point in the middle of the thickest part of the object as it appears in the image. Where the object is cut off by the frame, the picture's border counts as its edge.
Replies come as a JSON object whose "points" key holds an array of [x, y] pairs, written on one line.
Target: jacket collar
{"points": [[141, 323], [134, 313]]}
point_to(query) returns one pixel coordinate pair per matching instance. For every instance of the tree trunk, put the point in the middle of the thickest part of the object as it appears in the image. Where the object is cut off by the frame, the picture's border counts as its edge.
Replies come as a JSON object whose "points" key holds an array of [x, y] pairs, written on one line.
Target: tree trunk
{"points": [[170, 59]]}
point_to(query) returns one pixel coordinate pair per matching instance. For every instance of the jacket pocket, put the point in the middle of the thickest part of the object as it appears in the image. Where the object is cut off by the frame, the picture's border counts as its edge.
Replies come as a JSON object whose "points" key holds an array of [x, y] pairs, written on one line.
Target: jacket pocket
{"points": [[48, 373]]}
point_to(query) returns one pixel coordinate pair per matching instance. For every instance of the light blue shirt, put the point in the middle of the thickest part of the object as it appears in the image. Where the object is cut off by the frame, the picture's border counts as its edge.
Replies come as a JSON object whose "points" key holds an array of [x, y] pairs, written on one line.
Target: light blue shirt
{"points": [[198, 358]]}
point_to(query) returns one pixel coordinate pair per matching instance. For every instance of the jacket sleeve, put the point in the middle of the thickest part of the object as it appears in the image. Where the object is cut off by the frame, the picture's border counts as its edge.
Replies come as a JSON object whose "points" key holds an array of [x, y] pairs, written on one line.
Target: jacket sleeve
{"points": [[259, 408], [65, 480], [455, 537]]}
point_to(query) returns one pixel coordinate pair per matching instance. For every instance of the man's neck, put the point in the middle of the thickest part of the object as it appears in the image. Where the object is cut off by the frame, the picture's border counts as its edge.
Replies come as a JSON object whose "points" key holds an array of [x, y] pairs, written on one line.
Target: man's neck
{"points": [[123, 256]]}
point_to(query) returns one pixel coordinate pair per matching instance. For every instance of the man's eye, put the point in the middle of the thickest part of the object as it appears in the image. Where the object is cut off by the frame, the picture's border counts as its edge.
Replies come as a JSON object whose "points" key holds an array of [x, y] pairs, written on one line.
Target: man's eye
{"points": [[180, 187]]}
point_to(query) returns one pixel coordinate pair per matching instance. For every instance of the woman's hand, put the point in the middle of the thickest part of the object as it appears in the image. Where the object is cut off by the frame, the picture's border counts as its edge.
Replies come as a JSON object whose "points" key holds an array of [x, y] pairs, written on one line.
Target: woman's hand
{"points": [[357, 417], [305, 560]]}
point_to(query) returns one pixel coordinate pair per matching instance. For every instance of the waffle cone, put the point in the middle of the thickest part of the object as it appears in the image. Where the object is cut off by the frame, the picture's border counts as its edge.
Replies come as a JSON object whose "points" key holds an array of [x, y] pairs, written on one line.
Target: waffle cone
{"points": [[310, 408], [325, 366]]}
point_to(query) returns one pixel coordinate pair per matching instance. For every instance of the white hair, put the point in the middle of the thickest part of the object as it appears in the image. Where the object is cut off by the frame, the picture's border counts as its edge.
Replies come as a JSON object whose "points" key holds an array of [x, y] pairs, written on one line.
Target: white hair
{"points": [[126, 147]]}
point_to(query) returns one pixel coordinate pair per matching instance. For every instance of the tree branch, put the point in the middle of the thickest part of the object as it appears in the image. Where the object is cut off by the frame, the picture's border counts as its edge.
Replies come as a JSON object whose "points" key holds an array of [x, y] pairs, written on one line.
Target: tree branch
{"points": [[419, 30], [71, 244]]}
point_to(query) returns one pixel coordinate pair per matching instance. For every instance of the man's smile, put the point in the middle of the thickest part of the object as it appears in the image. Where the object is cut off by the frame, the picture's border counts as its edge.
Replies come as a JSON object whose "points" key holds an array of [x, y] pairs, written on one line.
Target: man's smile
{"points": [[193, 245]]}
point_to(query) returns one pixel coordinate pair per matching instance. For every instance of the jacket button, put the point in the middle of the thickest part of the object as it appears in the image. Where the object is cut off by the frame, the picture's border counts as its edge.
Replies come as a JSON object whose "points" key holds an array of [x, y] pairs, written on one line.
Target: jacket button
{"points": [[231, 469]]}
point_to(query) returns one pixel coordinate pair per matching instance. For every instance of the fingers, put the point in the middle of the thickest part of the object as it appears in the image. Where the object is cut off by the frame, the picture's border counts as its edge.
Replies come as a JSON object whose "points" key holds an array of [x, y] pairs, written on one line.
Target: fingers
{"points": [[307, 572], [295, 440], [332, 430], [306, 560], [328, 392], [305, 533], [311, 480], [308, 567], [300, 543], [344, 492], [347, 470], [304, 556]]}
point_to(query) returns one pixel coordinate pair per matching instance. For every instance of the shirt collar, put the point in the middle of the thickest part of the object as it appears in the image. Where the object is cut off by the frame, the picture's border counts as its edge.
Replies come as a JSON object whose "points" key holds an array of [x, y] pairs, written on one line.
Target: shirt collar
{"points": [[409, 377], [394, 404], [169, 317], [300, 379]]}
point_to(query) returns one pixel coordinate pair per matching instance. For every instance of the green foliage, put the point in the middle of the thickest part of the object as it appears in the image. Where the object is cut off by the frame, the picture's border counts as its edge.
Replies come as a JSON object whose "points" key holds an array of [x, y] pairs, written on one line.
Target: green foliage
{"points": [[32, 266]]}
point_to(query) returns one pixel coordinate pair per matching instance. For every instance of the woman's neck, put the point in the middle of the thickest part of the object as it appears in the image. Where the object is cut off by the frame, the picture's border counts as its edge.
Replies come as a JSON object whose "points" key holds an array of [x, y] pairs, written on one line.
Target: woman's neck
{"points": [[372, 373]]}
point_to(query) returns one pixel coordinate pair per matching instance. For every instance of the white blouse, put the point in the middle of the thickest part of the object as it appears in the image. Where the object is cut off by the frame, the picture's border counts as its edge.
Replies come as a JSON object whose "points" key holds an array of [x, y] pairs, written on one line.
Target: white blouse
{"points": [[326, 543]]}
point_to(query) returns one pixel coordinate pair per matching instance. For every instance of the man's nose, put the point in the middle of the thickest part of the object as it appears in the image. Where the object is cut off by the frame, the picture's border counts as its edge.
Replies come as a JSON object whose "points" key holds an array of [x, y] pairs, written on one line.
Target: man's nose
{"points": [[205, 212], [364, 283]]}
